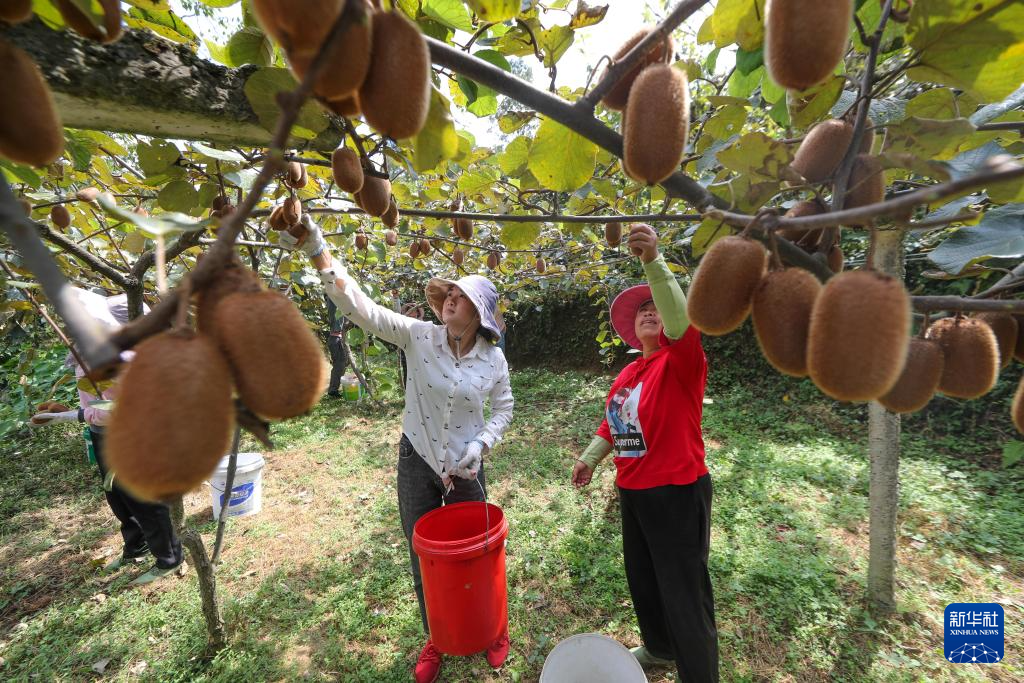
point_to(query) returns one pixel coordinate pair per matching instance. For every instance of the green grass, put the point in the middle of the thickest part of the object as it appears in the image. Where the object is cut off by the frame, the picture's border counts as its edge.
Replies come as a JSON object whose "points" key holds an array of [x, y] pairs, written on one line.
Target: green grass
{"points": [[316, 586]]}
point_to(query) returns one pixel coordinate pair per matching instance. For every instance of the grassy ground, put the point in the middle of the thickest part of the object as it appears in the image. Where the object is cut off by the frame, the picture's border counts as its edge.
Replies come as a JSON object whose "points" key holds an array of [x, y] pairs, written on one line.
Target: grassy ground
{"points": [[316, 588]]}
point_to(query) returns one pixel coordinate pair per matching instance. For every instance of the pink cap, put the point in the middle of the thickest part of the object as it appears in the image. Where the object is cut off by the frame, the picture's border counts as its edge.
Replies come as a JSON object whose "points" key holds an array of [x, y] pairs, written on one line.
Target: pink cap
{"points": [[623, 313]]}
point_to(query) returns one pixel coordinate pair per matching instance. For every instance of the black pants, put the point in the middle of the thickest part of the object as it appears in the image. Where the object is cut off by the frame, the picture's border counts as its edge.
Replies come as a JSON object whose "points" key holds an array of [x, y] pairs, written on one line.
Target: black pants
{"points": [[339, 361], [666, 534], [145, 527], [420, 490]]}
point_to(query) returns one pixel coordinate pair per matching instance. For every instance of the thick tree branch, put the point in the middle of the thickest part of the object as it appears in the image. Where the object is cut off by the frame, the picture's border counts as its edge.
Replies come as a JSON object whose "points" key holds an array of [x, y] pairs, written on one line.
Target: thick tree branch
{"points": [[92, 261], [931, 304]]}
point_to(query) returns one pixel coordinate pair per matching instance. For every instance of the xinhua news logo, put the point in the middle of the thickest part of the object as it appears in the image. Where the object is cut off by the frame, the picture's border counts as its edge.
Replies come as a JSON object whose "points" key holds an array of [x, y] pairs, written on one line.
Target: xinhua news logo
{"points": [[974, 633]]}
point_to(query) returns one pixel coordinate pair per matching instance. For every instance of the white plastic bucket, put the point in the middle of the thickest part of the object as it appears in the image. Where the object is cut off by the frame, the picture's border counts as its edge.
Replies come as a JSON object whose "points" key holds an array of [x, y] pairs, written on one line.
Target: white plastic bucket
{"points": [[591, 658], [246, 490]]}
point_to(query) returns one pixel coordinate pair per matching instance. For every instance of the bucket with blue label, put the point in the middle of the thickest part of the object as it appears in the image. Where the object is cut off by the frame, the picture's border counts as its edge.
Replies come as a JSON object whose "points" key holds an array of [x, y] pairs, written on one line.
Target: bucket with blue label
{"points": [[246, 496]]}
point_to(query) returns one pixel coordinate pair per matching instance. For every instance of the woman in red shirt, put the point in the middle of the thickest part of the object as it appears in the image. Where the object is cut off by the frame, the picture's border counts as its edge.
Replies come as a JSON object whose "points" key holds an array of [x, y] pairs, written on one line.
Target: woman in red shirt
{"points": [[652, 422]]}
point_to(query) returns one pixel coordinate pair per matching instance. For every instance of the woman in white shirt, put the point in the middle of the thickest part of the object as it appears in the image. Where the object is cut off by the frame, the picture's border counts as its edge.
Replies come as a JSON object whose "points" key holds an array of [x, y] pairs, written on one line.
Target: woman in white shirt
{"points": [[453, 368]]}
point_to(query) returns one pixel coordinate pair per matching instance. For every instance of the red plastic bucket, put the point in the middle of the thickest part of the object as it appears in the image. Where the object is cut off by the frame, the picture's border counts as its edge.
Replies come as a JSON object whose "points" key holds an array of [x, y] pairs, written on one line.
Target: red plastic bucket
{"points": [[463, 572]]}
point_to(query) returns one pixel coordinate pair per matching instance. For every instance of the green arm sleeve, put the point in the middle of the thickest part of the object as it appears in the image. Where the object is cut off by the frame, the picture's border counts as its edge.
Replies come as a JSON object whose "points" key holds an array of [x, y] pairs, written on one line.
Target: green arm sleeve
{"points": [[668, 297], [595, 452]]}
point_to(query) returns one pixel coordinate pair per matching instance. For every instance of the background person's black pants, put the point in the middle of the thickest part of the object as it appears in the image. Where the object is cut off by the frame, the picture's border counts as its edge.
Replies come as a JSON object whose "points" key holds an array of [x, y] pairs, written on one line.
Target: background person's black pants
{"points": [[420, 490], [145, 527], [339, 361], [666, 534]]}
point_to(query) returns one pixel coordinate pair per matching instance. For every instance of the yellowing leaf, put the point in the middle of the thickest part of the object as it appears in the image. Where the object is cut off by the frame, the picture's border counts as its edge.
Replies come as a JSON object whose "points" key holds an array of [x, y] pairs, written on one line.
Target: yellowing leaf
{"points": [[519, 235], [494, 10], [740, 22], [437, 141], [560, 158]]}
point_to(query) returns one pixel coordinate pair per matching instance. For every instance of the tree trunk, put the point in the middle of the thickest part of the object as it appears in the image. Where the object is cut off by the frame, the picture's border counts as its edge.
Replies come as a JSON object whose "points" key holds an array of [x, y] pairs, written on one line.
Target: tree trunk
{"points": [[884, 447], [205, 572]]}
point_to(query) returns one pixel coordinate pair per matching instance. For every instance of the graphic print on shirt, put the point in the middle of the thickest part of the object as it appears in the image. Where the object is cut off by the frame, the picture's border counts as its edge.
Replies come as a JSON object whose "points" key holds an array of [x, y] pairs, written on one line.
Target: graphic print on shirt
{"points": [[624, 421]]}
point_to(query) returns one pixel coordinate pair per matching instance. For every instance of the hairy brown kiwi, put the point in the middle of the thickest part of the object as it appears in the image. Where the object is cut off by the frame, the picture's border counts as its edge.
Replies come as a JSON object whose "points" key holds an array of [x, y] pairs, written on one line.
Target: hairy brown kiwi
{"points": [[390, 217], [390, 238], [218, 202], [296, 177], [541, 266], [972, 356], [463, 228], [26, 206], [458, 256], [414, 249], [83, 25], [919, 379], [87, 194], [346, 64], [661, 51], [15, 11], [234, 277], [277, 363], [425, 247], [1017, 410], [860, 329], [1018, 348], [161, 444], [1004, 326], [348, 173], [395, 96], [781, 313], [30, 130], [291, 210], [805, 40], [613, 233], [811, 207], [822, 149], [60, 216], [723, 286], [493, 260], [866, 185], [345, 106], [657, 124], [375, 196], [298, 30], [836, 259], [362, 242], [276, 219]]}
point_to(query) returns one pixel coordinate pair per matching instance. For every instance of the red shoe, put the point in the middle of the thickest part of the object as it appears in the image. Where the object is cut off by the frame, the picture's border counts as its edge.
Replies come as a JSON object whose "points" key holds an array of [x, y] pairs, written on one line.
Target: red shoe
{"points": [[428, 666], [498, 651]]}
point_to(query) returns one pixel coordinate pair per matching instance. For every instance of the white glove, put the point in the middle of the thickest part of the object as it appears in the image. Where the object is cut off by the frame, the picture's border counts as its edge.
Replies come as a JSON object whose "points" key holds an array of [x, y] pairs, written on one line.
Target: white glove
{"points": [[310, 244], [469, 466], [40, 419]]}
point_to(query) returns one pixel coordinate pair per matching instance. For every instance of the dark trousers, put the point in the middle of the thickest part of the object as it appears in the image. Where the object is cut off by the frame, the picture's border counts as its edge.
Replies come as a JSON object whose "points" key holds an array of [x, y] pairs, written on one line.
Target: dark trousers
{"points": [[420, 490], [339, 361], [666, 534], [145, 527]]}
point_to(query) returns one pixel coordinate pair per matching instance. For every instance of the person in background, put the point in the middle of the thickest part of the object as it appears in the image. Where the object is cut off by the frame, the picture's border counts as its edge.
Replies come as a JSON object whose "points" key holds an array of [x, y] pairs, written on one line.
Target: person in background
{"points": [[336, 345], [653, 424], [146, 528]]}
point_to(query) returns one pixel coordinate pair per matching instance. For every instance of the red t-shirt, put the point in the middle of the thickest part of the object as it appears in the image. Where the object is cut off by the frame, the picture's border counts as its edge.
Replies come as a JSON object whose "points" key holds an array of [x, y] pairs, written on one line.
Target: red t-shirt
{"points": [[653, 413]]}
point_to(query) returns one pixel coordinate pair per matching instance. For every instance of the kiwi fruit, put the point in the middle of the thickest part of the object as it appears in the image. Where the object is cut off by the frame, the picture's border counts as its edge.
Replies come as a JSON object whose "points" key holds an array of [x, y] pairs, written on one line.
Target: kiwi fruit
{"points": [[161, 444], [723, 286], [458, 256], [1004, 326], [493, 260], [1017, 410], [414, 249], [291, 211], [860, 329], [234, 277], [276, 219], [390, 217], [822, 149], [276, 360], [51, 407], [811, 207], [347, 62], [345, 106], [87, 194], [348, 173], [298, 30], [1018, 348], [26, 206], [425, 247], [805, 39], [660, 52], [613, 233], [463, 228], [972, 356], [866, 185], [375, 196], [390, 238], [919, 379], [219, 202], [835, 259], [540, 265], [395, 96], [361, 241], [83, 24], [295, 175], [656, 125], [781, 312], [141, 211], [60, 216], [15, 11], [30, 130]]}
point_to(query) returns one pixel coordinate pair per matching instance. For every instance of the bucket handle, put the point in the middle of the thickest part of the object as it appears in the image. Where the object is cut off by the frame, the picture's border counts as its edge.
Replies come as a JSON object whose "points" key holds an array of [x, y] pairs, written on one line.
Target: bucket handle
{"points": [[487, 512]]}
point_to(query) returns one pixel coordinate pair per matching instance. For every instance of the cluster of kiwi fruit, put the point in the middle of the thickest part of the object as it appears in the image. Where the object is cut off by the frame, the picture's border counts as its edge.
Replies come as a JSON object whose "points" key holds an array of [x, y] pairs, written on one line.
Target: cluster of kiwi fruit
{"points": [[370, 192], [654, 100], [379, 68], [30, 128], [174, 414]]}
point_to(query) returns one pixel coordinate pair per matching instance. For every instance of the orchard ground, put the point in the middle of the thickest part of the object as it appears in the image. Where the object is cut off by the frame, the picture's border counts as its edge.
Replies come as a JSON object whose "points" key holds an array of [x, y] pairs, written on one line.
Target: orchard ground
{"points": [[316, 587]]}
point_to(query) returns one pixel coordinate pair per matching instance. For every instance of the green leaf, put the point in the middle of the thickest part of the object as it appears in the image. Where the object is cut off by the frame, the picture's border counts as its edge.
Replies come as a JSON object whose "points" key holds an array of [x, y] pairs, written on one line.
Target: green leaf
{"points": [[437, 141], [937, 103], [741, 85], [178, 195], [219, 3], [726, 122], [554, 42], [970, 44], [80, 147], [478, 181], [560, 158], [164, 224], [740, 22], [1013, 452], [219, 53], [514, 157], [157, 156], [586, 15], [999, 234], [261, 89], [163, 23], [223, 155], [483, 101], [707, 233], [748, 61], [927, 138], [519, 235], [514, 120], [250, 46], [18, 173], [812, 105], [758, 155], [451, 13], [494, 10]]}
